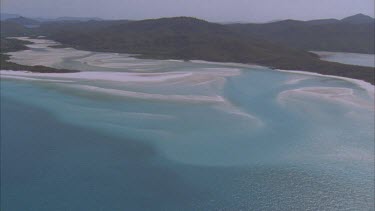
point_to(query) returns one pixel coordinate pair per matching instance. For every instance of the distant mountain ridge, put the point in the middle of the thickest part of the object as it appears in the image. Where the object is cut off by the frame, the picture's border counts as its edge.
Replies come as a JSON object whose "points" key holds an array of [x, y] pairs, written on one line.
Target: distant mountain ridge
{"points": [[177, 38], [5, 16], [358, 19], [24, 21], [8, 16], [352, 34], [78, 19], [354, 19]]}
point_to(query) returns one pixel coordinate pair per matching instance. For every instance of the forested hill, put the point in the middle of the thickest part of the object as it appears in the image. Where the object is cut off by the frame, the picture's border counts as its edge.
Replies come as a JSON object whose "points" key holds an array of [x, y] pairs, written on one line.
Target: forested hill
{"points": [[177, 38], [352, 34]]}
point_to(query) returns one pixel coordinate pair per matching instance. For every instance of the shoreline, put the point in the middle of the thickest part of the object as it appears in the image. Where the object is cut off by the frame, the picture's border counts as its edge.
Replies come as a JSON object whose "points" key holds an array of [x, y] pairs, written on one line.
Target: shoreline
{"points": [[360, 59], [361, 73], [316, 65], [368, 87]]}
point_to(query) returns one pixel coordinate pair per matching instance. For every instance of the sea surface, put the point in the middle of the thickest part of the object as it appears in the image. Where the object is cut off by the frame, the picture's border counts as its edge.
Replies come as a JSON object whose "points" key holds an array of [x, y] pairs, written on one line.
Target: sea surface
{"points": [[135, 134], [367, 60]]}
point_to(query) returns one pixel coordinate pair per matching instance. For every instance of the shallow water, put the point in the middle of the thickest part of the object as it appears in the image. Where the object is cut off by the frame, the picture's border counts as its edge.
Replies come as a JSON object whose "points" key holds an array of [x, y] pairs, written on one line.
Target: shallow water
{"points": [[367, 60], [171, 135]]}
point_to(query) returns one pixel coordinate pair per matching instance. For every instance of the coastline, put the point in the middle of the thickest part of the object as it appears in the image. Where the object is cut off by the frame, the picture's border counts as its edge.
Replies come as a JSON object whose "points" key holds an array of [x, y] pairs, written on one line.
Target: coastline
{"points": [[361, 59], [320, 67], [370, 88], [7, 66]]}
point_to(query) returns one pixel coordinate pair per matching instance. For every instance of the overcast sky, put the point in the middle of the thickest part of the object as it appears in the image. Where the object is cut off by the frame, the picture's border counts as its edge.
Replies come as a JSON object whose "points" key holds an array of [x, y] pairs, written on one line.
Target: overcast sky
{"points": [[212, 10]]}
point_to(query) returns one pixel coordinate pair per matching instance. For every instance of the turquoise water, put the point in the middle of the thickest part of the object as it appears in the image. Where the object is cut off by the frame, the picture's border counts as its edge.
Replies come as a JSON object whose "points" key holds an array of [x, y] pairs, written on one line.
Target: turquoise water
{"points": [[135, 134]]}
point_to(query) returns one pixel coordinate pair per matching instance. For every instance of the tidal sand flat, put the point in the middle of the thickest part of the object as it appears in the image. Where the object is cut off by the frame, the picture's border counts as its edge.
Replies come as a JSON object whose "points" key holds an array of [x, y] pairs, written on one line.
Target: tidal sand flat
{"points": [[127, 132], [339, 95]]}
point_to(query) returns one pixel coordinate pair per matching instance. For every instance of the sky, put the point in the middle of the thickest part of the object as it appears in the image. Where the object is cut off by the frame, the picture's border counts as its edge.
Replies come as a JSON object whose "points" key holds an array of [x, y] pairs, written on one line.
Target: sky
{"points": [[212, 10]]}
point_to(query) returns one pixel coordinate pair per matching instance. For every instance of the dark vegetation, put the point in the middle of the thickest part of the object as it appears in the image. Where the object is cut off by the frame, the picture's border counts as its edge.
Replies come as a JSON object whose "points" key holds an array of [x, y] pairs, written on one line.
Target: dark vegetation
{"points": [[189, 38], [177, 38], [352, 34], [12, 45], [12, 29], [23, 21]]}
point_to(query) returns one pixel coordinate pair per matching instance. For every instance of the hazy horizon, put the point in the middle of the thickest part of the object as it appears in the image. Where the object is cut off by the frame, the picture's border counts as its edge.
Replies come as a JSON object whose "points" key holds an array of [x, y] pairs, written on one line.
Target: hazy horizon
{"points": [[218, 11]]}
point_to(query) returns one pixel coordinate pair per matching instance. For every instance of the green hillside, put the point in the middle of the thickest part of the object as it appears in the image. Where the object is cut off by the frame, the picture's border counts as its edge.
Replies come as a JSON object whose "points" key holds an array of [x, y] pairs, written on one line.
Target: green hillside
{"points": [[353, 34]]}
